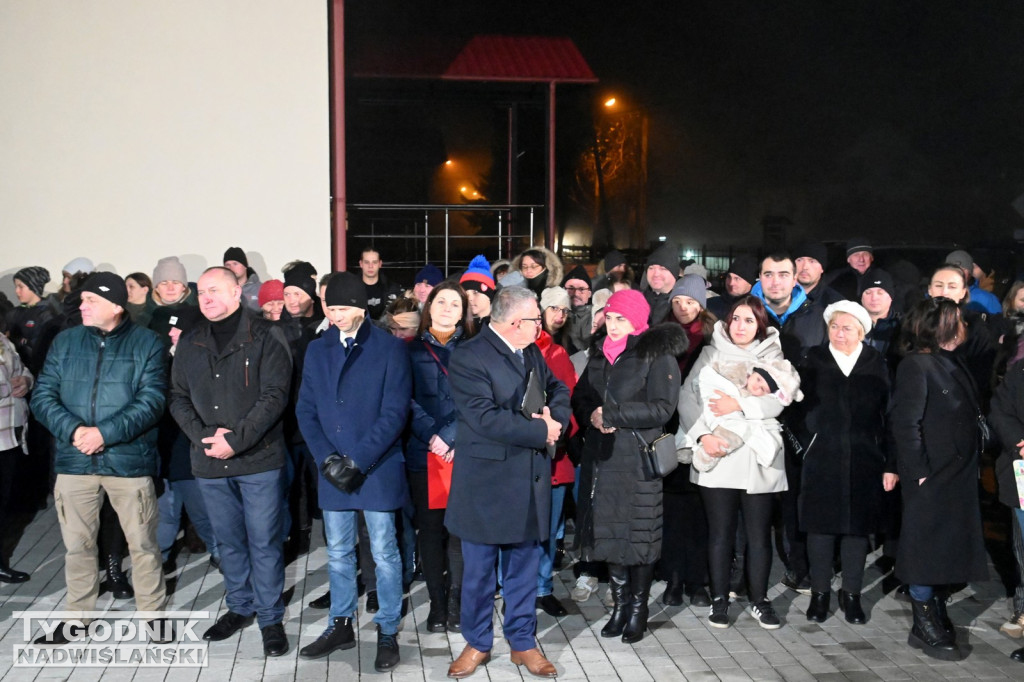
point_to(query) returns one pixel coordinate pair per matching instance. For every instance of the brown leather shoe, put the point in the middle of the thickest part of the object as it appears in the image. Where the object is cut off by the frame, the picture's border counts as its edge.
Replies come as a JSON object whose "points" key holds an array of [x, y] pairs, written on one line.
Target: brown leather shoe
{"points": [[535, 662], [467, 662]]}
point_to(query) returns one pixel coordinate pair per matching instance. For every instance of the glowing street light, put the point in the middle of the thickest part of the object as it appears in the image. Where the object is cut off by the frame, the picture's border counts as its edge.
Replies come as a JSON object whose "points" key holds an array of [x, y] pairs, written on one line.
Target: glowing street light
{"points": [[610, 102]]}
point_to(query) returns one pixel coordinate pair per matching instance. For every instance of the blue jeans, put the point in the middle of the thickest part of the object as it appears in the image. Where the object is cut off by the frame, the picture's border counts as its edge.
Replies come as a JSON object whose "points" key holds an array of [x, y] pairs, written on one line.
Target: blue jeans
{"points": [[547, 549], [340, 527], [245, 512], [177, 494]]}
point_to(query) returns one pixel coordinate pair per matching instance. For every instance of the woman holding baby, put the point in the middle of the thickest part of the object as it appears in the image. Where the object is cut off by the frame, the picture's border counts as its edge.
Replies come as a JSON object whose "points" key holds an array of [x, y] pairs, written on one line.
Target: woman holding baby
{"points": [[841, 424], [717, 411]]}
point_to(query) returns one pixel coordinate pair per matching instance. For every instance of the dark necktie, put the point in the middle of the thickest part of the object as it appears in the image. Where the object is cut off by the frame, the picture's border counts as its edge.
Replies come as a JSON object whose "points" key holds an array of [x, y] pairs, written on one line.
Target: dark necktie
{"points": [[519, 354], [349, 343]]}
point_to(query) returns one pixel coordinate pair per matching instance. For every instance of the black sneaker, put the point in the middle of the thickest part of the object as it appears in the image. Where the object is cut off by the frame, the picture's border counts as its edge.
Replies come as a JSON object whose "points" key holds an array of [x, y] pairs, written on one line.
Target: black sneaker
{"points": [[275, 642], [801, 585], [65, 633], [387, 652], [765, 615], [338, 635], [321, 602], [719, 616]]}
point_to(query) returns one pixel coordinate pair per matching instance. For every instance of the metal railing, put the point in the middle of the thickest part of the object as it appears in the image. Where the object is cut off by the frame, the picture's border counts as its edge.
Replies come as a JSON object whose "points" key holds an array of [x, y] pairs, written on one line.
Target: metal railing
{"points": [[448, 235]]}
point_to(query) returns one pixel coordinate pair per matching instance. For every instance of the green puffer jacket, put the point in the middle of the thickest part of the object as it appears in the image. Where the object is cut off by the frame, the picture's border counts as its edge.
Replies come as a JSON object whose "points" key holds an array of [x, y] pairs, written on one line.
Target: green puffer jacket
{"points": [[116, 381]]}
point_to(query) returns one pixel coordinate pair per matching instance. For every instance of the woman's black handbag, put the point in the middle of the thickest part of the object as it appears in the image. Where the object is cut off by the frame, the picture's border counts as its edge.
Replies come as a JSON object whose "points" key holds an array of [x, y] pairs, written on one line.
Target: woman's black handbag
{"points": [[659, 456], [343, 473]]}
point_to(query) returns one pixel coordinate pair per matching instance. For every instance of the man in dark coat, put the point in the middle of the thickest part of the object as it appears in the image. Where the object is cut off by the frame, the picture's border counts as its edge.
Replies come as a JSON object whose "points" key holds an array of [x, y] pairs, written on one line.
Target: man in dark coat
{"points": [[229, 388], [101, 393], [354, 401], [501, 480]]}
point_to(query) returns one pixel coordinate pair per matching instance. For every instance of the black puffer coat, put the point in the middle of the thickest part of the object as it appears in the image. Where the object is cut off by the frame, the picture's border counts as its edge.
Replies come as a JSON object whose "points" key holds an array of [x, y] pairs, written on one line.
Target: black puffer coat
{"points": [[842, 476], [619, 514]]}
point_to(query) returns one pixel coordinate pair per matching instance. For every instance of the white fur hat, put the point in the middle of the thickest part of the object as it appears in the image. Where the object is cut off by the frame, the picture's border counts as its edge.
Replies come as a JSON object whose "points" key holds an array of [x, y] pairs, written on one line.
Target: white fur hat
{"points": [[850, 308]]}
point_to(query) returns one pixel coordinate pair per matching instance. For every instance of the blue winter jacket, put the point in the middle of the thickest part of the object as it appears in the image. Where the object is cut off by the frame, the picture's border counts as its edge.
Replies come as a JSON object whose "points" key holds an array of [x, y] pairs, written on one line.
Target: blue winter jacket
{"points": [[433, 409]]}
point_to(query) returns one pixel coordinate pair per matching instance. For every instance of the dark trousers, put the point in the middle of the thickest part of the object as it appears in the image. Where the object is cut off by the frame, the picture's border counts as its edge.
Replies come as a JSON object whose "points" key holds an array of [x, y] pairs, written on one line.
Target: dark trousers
{"points": [[519, 568], [684, 546], [437, 548], [111, 538], [246, 515], [722, 506], [853, 552], [8, 469], [796, 540]]}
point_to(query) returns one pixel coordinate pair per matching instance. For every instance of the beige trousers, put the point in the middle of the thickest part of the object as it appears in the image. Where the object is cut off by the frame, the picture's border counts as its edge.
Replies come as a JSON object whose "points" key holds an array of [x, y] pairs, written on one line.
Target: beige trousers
{"points": [[78, 500]]}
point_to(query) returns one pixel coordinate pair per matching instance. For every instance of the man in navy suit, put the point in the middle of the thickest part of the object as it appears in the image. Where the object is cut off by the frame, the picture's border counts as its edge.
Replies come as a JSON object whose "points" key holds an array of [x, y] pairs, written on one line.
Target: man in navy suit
{"points": [[354, 401], [501, 480]]}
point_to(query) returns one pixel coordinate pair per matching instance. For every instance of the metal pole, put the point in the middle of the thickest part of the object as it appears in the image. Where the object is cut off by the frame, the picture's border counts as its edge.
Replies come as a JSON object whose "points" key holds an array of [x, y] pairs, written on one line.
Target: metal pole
{"points": [[339, 211], [446, 242], [426, 237], [500, 214], [551, 169]]}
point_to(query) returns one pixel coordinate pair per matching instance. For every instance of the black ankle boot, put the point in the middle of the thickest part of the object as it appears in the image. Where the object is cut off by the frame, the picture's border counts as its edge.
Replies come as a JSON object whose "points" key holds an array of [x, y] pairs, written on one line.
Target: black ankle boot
{"points": [[818, 609], [849, 603], [928, 635], [640, 578], [618, 584], [117, 581], [941, 616]]}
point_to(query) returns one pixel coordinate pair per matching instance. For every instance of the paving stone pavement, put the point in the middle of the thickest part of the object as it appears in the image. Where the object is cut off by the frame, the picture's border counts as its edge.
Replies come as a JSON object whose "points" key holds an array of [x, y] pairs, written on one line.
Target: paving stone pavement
{"points": [[680, 646]]}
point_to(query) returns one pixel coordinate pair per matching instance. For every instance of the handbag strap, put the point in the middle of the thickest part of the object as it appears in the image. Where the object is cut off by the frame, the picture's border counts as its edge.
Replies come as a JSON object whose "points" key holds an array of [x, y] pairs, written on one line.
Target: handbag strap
{"points": [[439, 363]]}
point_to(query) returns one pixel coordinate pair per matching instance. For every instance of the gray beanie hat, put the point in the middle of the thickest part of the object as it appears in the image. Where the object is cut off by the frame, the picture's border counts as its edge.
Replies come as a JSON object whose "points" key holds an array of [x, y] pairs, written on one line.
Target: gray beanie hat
{"points": [[692, 286], [169, 269]]}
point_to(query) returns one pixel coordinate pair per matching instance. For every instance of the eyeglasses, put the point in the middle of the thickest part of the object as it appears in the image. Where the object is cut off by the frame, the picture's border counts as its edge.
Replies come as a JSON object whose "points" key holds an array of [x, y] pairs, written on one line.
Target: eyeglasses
{"points": [[535, 320], [573, 290], [559, 311]]}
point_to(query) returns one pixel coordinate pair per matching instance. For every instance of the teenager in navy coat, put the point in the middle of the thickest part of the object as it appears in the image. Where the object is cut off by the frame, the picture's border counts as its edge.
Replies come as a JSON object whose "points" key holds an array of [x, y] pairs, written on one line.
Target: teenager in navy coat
{"points": [[354, 401], [501, 478]]}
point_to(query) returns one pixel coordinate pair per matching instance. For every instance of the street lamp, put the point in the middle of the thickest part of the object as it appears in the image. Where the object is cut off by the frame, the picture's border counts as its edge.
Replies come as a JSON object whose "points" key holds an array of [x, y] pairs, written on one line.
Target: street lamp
{"points": [[631, 150]]}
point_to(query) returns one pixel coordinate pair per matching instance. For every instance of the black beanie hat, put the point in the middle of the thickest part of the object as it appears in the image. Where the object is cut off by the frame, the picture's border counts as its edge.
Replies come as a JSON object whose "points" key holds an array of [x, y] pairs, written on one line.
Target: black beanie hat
{"points": [[579, 272], [613, 259], [345, 289], [109, 286], [667, 256], [880, 279], [297, 277], [815, 250], [34, 277], [745, 267], [236, 253]]}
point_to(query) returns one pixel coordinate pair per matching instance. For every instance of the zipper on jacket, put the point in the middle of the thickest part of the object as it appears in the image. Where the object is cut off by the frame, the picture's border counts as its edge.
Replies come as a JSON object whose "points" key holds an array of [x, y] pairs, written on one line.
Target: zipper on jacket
{"points": [[96, 379], [247, 372]]}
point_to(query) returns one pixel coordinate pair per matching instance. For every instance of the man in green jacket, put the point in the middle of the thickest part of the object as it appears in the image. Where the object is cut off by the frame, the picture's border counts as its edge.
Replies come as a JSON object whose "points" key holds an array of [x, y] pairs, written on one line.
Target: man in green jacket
{"points": [[101, 394]]}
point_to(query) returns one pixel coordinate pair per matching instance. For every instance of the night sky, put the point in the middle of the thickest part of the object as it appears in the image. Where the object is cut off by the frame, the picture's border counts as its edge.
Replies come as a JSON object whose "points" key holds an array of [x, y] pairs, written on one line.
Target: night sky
{"points": [[900, 121]]}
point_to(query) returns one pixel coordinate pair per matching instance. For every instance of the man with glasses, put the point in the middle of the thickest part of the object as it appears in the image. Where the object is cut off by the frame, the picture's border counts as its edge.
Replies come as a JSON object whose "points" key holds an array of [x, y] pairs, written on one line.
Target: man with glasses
{"points": [[501, 481], [581, 314]]}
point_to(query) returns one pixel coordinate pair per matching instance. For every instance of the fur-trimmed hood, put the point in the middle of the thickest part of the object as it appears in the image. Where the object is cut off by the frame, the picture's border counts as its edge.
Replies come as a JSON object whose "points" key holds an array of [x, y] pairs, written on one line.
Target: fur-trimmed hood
{"points": [[553, 264], [667, 338]]}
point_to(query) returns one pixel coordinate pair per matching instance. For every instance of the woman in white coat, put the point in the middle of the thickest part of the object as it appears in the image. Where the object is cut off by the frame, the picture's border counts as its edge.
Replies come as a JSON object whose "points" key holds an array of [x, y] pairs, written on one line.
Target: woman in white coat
{"points": [[738, 481]]}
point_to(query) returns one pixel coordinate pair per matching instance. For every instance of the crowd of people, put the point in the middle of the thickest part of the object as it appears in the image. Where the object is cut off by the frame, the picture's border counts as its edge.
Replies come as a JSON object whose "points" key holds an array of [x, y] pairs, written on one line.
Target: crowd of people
{"points": [[452, 430]]}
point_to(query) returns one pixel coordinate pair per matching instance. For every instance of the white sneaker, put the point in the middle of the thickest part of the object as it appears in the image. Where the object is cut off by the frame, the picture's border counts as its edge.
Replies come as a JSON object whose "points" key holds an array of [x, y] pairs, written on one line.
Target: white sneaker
{"points": [[586, 585], [1015, 626]]}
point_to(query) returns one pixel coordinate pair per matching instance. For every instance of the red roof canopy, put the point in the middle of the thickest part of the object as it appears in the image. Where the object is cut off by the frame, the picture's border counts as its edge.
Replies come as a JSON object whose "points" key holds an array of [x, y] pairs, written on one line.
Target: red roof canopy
{"points": [[483, 58]]}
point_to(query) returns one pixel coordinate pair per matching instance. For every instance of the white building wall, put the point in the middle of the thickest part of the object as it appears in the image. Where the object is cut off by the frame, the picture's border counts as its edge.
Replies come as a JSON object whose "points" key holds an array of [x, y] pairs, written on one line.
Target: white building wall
{"points": [[136, 129]]}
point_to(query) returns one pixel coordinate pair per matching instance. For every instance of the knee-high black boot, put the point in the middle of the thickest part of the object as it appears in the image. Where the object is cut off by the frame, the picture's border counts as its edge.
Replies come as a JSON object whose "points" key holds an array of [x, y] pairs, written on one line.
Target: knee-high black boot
{"points": [[618, 583], [640, 578]]}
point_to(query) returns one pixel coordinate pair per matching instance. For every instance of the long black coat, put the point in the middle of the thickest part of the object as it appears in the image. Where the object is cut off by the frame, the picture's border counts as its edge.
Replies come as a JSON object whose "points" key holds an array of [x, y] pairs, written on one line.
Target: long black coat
{"points": [[619, 511], [501, 476], [842, 475], [1007, 419], [934, 428]]}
